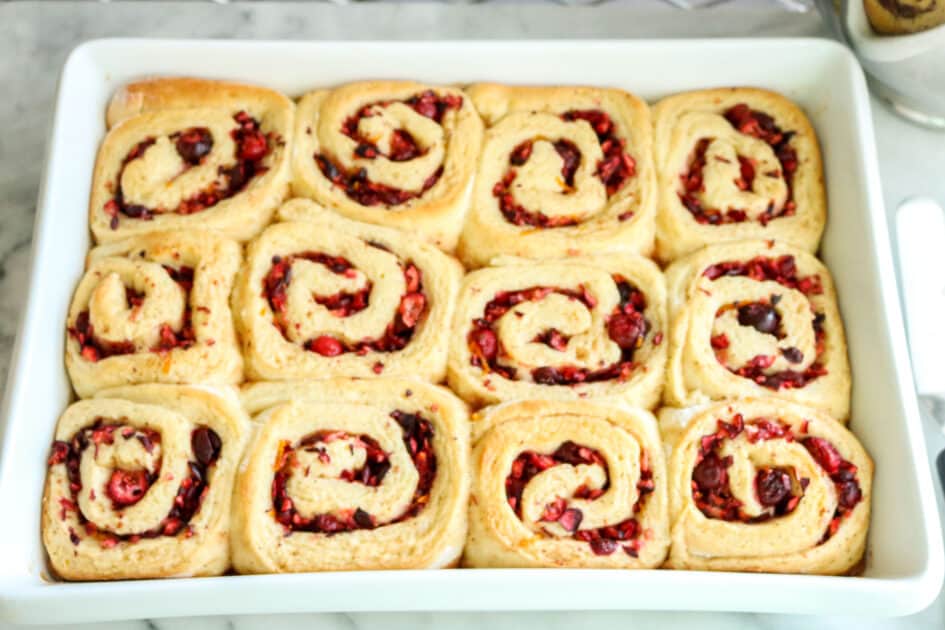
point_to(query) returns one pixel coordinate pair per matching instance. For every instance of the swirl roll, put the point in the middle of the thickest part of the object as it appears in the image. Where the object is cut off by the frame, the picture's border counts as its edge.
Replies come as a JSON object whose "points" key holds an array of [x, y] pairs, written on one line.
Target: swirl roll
{"points": [[352, 475], [155, 308], [563, 171], [321, 295], [899, 17], [559, 330], [394, 153], [190, 153], [755, 318], [567, 484], [736, 164], [766, 485], [139, 483]]}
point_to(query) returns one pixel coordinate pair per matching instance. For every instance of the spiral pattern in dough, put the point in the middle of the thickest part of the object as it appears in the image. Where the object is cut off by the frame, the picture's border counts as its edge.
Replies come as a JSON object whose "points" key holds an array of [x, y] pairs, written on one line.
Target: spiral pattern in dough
{"points": [[752, 319], [139, 483], [764, 485], [586, 327], [563, 171], [187, 153], [567, 484], [321, 296], [352, 474], [736, 164], [393, 153], [155, 308]]}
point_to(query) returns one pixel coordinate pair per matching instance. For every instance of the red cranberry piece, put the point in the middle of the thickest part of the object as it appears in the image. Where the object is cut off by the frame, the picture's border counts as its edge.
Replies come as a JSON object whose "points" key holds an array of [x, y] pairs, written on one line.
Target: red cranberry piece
{"points": [[773, 486], [571, 158], [547, 376], [571, 453], [626, 329], [127, 487], [206, 445], [849, 494], [411, 308], [193, 144], [824, 453], [363, 519], [521, 153], [402, 146], [792, 354], [486, 341], [327, 346], [710, 473], [60, 451], [762, 317], [603, 546], [571, 519], [253, 147]]}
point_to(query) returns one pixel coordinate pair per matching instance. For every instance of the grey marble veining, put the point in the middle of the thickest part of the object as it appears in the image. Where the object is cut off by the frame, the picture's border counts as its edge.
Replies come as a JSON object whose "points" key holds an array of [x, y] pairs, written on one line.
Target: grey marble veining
{"points": [[36, 37]]}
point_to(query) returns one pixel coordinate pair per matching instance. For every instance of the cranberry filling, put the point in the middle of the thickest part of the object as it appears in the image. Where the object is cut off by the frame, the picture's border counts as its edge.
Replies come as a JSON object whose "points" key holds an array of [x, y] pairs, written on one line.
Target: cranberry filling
{"points": [[756, 124], [774, 487], [127, 487], [403, 148], [397, 334], [603, 540], [193, 144], [418, 439], [94, 349], [613, 170], [782, 270], [626, 326]]}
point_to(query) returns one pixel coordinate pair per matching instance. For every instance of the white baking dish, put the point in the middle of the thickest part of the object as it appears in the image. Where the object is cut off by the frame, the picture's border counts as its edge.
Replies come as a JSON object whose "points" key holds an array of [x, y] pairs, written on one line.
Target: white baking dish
{"points": [[904, 563]]}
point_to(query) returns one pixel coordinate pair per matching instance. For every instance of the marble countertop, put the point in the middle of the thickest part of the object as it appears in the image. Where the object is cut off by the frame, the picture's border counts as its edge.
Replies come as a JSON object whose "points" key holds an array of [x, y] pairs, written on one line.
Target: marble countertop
{"points": [[35, 38]]}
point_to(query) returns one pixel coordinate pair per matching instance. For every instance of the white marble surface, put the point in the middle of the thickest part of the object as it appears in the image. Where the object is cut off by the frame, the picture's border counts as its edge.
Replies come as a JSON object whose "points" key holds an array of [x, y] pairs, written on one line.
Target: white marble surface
{"points": [[36, 37]]}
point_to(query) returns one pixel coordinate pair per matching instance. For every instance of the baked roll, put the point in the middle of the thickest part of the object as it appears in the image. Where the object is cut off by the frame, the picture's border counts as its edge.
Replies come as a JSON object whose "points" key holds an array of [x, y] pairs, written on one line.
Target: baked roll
{"points": [[191, 153], [352, 475], [324, 296], [755, 318], [564, 171], [736, 164], [587, 327], [139, 483], [567, 484], [766, 485], [898, 17], [155, 308], [394, 153]]}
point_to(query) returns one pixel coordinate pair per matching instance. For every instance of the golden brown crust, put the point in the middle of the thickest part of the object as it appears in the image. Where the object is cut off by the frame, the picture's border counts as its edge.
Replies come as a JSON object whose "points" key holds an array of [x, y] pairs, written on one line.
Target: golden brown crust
{"points": [[160, 180], [287, 412], [625, 437], [173, 412], [684, 119], [623, 221], [140, 265], [437, 213]]}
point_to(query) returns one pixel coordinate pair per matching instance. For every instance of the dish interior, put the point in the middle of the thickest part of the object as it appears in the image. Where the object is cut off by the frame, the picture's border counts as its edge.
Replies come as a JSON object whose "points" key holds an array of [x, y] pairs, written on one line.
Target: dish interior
{"points": [[903, 565]]}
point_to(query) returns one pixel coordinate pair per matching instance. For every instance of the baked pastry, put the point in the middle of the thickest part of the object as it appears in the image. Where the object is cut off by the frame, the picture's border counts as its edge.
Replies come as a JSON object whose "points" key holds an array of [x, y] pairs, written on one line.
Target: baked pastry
{"points": [[755, 318], [563, 171], [736, 164], [586, 327], [766, 485], [190, 153], [139, 483], [321, 296], [567, 484], [155, 308], [394, 153], [352, 475], [897, 17]]}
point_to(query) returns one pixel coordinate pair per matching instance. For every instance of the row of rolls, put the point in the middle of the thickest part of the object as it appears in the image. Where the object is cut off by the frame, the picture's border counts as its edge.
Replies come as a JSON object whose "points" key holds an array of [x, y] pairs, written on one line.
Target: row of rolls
{"points": [[159, 480], [485, 171]]}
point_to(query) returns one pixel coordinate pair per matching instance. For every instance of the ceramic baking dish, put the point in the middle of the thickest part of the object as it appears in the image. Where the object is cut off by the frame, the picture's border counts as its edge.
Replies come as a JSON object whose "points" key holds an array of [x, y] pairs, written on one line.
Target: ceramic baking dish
{"points": [[904, 562]]}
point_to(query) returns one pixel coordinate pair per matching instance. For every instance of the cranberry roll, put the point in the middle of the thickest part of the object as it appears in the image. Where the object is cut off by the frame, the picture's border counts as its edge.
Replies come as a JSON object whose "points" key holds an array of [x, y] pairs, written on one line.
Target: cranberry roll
{"points": [[567, 484], [155, 308], [755, 318], [587, 327], [352, 475], [321, 296], [901, 17], [139, 483], [736, 164], [767, 485], [190, 153], [393, 153], [563, 171]]}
